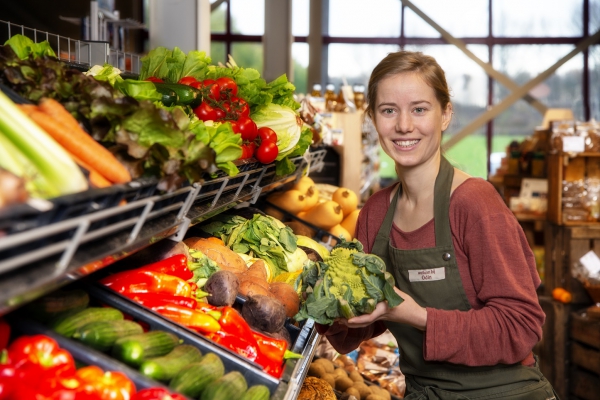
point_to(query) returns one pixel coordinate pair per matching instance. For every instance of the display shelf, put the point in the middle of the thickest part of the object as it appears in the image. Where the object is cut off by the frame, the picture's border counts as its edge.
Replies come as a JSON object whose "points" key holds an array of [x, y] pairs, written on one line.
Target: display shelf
{"points": [[42, 259]]}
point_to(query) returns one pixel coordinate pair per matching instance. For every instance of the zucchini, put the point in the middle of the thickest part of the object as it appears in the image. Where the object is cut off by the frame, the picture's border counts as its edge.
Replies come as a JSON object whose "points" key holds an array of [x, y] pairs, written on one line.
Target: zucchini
{"points": [[67, 326], [134, 350], [232, 385], [186, 95], [169, 97], [58, 304], [193, 378], [164, 368], [257, 392], [101, 335]]}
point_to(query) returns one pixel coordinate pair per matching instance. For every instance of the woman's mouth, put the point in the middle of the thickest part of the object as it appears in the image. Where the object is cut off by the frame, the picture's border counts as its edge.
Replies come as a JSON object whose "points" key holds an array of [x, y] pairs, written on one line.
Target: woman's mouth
{"points": [[406, 143]]}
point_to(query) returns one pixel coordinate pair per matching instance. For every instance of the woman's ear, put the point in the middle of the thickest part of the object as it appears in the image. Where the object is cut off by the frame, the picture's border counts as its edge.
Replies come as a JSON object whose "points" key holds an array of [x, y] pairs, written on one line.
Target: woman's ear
{"points": [[447, 116]]}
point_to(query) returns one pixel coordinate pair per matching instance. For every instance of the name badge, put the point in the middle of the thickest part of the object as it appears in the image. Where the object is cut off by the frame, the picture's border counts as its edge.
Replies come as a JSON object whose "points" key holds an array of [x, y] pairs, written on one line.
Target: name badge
{"points": [[432, 274]]}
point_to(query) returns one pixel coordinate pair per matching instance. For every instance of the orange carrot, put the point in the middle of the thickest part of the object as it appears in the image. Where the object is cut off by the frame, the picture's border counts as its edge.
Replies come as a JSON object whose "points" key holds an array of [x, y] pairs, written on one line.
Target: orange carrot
{"points": [[59, 113], [79, 143], [95, 178]]}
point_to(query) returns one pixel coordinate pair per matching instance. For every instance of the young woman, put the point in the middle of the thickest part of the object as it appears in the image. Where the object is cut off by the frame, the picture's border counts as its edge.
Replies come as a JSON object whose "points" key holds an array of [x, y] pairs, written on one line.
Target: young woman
{"points": [[461, 262]]}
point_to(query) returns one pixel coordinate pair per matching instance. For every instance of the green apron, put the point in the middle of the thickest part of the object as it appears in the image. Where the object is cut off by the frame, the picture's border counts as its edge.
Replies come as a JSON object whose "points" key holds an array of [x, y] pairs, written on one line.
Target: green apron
{"points": [[430, 276]]}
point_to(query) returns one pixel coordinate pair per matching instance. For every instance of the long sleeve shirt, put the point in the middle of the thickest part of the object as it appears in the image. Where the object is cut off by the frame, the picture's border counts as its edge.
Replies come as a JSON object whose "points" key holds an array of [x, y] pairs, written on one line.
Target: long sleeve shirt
{"points": [[498, 273]]}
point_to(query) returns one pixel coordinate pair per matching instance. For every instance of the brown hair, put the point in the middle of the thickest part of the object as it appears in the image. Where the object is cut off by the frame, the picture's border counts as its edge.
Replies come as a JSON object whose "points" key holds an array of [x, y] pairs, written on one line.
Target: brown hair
{"points": [[408, 61]]}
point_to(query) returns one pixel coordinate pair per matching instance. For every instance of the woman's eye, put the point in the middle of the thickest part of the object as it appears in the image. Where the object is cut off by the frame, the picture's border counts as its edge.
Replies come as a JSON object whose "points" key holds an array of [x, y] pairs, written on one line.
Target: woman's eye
{"points": [[419, 110], [387, 110]]}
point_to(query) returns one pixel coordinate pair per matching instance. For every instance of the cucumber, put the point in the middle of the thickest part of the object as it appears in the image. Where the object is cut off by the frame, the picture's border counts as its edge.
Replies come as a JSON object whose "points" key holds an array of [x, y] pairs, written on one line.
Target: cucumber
{"points": [[164, 368], [101, 335], [169, 97], [67, 326], [134, 350], [58, 304], [257, 392], [232, 385], [193, 378], [186, 95]]}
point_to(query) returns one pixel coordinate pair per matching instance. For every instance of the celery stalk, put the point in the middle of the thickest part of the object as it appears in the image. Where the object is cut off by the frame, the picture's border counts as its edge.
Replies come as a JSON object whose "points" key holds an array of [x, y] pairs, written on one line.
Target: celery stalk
{"points": [[51, 160]]}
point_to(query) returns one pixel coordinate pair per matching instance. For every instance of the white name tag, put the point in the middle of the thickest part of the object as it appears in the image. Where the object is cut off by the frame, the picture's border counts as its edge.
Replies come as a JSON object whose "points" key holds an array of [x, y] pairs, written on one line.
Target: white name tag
{"points": [[432, 274]]}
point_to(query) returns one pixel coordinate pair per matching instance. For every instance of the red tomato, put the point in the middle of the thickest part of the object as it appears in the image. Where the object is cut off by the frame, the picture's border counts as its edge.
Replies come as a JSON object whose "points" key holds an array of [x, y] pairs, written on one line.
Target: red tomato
{"points": [[214, 91], [267, 152], [247, 128], [240, 107], [205, 112], [248, 150], [187, 80], [227, 85], [267, 134], [154, 79]]}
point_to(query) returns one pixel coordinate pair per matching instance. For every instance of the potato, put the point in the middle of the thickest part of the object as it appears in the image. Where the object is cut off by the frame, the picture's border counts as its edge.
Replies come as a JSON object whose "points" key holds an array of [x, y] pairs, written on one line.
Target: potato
{"points": [[329, 378], [347, 396], [363, 389], [223, 287], [356, 376], [257, 270], [339, 363], [342, 383], [286, 294], [327, 364], [251, 286], [353, 392], [316, 369], [226, 258], [264, 313], [339, 372], [374, 397]]}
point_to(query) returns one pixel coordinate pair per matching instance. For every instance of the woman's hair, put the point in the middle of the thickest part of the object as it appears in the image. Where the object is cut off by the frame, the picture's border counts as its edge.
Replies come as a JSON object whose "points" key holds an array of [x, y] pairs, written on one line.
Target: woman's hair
{"points": [[408, 61]]}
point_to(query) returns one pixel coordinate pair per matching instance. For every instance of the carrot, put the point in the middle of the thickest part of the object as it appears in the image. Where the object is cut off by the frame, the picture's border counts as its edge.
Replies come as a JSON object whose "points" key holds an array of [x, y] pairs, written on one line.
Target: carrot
{"points": [[95, 178], [79, 143], [59, 113]]}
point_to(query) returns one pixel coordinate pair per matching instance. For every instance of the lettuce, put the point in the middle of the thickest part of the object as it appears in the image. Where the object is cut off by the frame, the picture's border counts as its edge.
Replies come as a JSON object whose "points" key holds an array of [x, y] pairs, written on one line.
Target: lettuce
{"points": [[172, 65], [23, 47], [285, 122]]}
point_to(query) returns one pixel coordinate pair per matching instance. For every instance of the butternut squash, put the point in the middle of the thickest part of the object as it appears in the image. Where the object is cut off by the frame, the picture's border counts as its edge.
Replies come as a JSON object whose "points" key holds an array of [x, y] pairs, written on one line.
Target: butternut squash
{"points": [[349, 223], [292, 201], [303, 184], [338, 231], [312, 197], [346, 198], [325, 215]]}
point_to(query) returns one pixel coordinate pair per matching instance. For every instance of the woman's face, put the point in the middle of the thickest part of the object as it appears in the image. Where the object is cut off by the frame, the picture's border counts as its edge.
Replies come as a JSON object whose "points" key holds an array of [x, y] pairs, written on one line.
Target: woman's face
{"points": [[409, 119]]}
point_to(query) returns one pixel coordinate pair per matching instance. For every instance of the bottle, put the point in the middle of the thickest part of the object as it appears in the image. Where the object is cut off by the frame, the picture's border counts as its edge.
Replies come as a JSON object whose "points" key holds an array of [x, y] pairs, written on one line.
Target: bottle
{"points": [[359, 96], [316, 90], [538, 165], [330, 97], [513, 163]]}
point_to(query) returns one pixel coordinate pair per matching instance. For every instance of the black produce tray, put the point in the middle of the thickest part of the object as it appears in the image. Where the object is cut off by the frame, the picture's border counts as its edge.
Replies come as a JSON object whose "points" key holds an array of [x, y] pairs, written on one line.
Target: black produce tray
{"points": [[81, 352], [232, 361]]}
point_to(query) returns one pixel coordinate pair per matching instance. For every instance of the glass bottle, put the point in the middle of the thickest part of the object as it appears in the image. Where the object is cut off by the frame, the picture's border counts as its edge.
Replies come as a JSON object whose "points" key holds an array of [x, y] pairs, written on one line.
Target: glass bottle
{"points": [[316, 90], [330, 97]]}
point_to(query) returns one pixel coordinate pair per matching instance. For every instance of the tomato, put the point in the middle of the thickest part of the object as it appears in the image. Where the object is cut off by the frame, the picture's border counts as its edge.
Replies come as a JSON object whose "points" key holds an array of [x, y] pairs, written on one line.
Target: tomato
{"points": [[205, 112], [214, 91], [187, 80], [227, 84], [248, 150], [240, 107], [267, 134], [154, 79], [247, 128], [267, 152]]}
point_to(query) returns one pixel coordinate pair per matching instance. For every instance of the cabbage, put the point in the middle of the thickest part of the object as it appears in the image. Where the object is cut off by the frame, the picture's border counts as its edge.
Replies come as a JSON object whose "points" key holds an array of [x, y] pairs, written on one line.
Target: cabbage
{"points": [[284, 121]]}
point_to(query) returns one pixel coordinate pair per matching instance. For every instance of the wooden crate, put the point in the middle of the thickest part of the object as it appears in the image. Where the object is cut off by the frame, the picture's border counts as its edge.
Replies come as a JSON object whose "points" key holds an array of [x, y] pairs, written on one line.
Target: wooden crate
{"points": [[584, 329], [583, 384], [571, 168], [564, 246], [584, 377], [552, 349]]}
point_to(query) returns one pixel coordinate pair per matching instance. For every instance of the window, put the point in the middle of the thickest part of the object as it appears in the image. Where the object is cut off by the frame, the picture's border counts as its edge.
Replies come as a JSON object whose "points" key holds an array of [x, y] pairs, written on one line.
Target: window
{"points": [[451, 16]]}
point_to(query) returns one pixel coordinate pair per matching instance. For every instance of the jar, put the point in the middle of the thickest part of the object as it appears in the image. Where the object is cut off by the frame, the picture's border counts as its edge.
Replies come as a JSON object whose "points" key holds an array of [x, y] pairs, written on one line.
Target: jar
{"points": [[316, 90], [513, 163], [330, 97], [592, 202], [359, 96], [538, 165]]}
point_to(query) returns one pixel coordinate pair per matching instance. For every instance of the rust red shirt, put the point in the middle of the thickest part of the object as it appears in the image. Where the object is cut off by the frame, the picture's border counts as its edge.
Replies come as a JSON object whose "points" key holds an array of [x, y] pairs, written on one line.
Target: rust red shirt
{"points": [[498, 273]]}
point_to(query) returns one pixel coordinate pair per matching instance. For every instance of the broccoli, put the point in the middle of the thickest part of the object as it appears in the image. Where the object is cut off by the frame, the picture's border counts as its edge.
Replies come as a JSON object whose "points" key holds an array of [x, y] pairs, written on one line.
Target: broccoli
{"points": [[347, 283]]}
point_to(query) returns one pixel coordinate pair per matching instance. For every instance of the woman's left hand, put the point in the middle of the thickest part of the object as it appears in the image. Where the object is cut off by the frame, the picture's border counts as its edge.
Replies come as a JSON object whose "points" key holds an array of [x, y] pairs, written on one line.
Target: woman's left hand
{"points": [[407, 312]]}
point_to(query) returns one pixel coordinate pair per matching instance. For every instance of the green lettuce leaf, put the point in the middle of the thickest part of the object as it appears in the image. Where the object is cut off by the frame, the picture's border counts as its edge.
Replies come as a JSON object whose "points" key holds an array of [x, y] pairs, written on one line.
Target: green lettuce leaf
{"points": [[24, 46]]}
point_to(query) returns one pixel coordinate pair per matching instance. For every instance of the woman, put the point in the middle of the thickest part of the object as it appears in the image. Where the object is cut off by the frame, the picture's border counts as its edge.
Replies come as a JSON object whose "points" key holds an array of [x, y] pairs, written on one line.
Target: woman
{"points": [[461, 262]]}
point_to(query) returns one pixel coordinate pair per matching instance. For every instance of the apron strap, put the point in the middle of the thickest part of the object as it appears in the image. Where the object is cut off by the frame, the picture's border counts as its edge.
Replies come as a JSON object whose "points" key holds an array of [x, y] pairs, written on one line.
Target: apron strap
{"points": [[441, 199]]}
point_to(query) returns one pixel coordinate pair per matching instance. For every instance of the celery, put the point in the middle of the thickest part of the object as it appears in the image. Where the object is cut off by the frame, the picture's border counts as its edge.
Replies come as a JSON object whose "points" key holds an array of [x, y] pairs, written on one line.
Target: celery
{"points": [[52, 162]]}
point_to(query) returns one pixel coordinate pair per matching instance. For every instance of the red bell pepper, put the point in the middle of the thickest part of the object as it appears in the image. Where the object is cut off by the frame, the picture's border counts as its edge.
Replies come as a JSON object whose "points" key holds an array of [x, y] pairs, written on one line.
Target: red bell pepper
{"points": [[150, 299], [175, 265], [109, 385], [4, 333], [148, 282], [156, 394], [238, 344], [39, 356], [232, 322], [187, 317]]}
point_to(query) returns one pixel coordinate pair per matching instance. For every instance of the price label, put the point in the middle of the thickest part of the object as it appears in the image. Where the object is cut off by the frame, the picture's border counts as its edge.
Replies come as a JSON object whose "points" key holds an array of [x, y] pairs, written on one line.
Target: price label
{"points": [[573, 144], [591, 262]]}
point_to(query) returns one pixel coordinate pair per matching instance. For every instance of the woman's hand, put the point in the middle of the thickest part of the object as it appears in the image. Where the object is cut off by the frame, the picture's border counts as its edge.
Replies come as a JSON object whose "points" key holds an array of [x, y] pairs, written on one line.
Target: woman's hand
{"points": [[407, 312]]}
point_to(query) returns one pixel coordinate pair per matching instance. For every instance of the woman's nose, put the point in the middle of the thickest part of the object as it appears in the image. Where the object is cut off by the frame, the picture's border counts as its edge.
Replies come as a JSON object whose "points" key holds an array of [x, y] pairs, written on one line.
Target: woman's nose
{"points": [[404, 123]]}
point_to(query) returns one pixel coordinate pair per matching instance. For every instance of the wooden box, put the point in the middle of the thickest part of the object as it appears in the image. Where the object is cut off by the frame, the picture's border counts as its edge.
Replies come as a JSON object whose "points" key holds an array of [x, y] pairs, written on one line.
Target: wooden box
{"points": [[584, 377], [564, 167], [585, 329], [583, 384], [564, 246], [552, 348]]}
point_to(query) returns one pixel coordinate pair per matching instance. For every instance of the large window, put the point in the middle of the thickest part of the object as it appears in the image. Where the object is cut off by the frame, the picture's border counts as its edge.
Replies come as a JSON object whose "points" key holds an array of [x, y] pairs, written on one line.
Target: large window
{"points": [[518, 38]]}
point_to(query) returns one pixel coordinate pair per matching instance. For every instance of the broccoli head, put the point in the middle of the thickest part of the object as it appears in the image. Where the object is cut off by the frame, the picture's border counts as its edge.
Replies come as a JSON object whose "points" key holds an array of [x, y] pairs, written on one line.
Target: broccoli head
{"points": [[347, 283]]}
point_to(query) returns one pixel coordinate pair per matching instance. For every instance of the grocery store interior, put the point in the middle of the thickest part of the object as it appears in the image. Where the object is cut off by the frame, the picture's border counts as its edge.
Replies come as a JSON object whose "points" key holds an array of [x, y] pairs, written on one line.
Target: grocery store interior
{"points": [[174, 173]]}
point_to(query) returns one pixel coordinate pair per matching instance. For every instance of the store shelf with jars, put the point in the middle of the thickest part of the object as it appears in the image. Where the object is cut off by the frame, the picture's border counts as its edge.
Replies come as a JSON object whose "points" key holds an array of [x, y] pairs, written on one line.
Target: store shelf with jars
{"points": [[344, 128]]}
